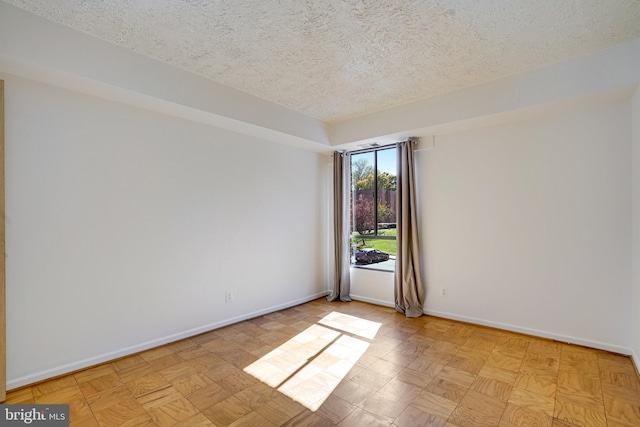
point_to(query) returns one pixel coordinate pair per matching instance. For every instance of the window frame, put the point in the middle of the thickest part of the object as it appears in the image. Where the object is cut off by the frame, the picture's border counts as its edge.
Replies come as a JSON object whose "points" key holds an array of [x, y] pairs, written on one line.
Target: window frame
{"points": [[352, 200]]}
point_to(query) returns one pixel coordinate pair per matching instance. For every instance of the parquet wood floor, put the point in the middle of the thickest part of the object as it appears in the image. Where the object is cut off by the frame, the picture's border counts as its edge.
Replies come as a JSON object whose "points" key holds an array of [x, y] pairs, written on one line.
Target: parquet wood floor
{"points": [[352, 364]]}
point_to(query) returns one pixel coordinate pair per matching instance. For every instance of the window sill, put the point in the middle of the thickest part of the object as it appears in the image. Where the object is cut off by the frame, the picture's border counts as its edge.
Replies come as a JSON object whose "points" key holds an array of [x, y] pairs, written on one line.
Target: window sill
{"points": [[388, 266]]}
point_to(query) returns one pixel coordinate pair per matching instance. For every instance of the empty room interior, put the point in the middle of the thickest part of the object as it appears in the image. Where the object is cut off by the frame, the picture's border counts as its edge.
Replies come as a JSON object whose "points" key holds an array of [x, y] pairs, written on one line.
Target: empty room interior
{"points": [[172, 211]]}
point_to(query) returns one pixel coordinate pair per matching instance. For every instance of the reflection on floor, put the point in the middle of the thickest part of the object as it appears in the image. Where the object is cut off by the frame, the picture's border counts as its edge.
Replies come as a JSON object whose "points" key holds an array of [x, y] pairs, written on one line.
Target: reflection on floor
{"points": [[352, 364]]}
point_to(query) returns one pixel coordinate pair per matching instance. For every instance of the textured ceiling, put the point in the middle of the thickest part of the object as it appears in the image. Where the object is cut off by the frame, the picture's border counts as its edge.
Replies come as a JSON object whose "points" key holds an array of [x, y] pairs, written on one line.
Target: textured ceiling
{"points": [[339, 59]]}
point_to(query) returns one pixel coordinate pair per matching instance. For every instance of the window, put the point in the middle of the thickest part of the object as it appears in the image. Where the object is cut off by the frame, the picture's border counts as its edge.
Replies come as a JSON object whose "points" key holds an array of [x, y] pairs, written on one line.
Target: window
{"points": [[373, 208]]}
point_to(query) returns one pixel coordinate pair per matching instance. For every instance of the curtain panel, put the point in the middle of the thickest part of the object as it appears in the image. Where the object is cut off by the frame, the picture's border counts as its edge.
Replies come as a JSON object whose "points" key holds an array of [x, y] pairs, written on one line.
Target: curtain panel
{"points": [[408, 287], [341, 225]]}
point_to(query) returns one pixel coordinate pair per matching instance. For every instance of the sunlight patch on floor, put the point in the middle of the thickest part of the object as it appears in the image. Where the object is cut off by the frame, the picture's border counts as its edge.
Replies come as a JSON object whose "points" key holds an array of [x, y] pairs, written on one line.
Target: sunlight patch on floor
{"points": [[309, 366], [351, 324]]}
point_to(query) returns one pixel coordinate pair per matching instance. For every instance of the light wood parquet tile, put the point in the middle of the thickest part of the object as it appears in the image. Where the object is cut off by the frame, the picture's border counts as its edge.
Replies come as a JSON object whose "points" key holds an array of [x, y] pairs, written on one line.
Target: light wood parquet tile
{"points": [[383, 407], [467, 362], [107, 398], [541, 345], [492, 387], [167, 406], [96, 385], [147, 384], [280, 410], [227, 411], [477, 409], [539, 384], [123, 412], [457, 376], [197, 420], [533, 400], [353, 392], [540, 363], [126, 362], [165, 362], [20, 396], [93, 373], [426, 365], [420, 379], [434, 404], [50, 386], [252, 419], [477, 342], [614, 423], [208, 396], [307, 418], [336, 409], [413, 416], [156, 353], [321, 371], [500, 374], [78, 407], [174, 372], [191, 382], [504, 360], [579, 415], [372, 380], [217, 371], [523, 416], [399, 358], [361, 418], [622, 410], [560, 423], [401, 391], [136, 371], [446, 389]]}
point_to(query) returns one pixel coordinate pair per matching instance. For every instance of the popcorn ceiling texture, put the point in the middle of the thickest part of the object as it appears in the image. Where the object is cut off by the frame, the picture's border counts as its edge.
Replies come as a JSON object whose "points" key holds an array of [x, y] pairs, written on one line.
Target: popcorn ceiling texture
{"points": [[339, 59]]}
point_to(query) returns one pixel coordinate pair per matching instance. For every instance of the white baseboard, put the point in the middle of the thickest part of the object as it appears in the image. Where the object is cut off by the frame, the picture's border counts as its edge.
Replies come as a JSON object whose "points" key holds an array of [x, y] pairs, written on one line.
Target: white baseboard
{"points": [[102, 358], [636, 361], [508, 327], [534, 332], [372, 301]]}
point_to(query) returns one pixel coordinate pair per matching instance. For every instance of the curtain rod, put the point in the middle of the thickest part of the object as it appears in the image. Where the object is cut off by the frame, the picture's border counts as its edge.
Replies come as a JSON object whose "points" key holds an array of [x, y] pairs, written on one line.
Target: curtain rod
{"points": [[382, 147]]}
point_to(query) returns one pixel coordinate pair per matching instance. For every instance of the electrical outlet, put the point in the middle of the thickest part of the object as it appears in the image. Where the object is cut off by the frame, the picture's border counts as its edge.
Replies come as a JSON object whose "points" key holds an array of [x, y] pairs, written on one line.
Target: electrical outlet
{"points": [[228, 296], [444, 292]]}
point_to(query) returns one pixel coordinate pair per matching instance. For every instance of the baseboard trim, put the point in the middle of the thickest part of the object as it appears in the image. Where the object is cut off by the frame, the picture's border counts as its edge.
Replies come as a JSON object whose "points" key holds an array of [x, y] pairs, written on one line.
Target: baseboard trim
{"points": [[508, 327], [535, 332], [93, 361], [636, 361], [372, 300]]}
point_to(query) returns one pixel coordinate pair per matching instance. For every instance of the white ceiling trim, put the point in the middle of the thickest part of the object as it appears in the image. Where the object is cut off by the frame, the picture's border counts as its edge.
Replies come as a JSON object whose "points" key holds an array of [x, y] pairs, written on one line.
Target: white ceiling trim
{"points": [[55, 54], [39, 49], [587, 78]]}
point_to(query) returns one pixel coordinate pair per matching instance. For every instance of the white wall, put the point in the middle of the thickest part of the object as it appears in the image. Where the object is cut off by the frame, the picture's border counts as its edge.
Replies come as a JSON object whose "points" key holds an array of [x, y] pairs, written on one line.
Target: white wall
{"points": [[635, 321], [528, 226], [125, 228], [375, 287]]}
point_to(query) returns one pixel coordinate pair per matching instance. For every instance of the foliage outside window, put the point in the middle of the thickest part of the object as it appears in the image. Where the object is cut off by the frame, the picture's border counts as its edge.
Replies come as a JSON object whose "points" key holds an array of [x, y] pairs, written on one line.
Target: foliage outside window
{"points": [[373, 201]]}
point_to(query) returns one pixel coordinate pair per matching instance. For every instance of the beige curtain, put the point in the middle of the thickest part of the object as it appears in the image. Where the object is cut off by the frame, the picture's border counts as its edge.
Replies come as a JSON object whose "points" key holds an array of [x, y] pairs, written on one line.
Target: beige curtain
{"points": [[408, 287], [341, 224]]}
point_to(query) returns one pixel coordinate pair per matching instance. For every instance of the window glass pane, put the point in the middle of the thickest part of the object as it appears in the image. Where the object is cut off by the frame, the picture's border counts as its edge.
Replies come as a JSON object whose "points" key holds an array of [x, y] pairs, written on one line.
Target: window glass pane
{"points": [[373, 208], [386, 192], [363, 221]]}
